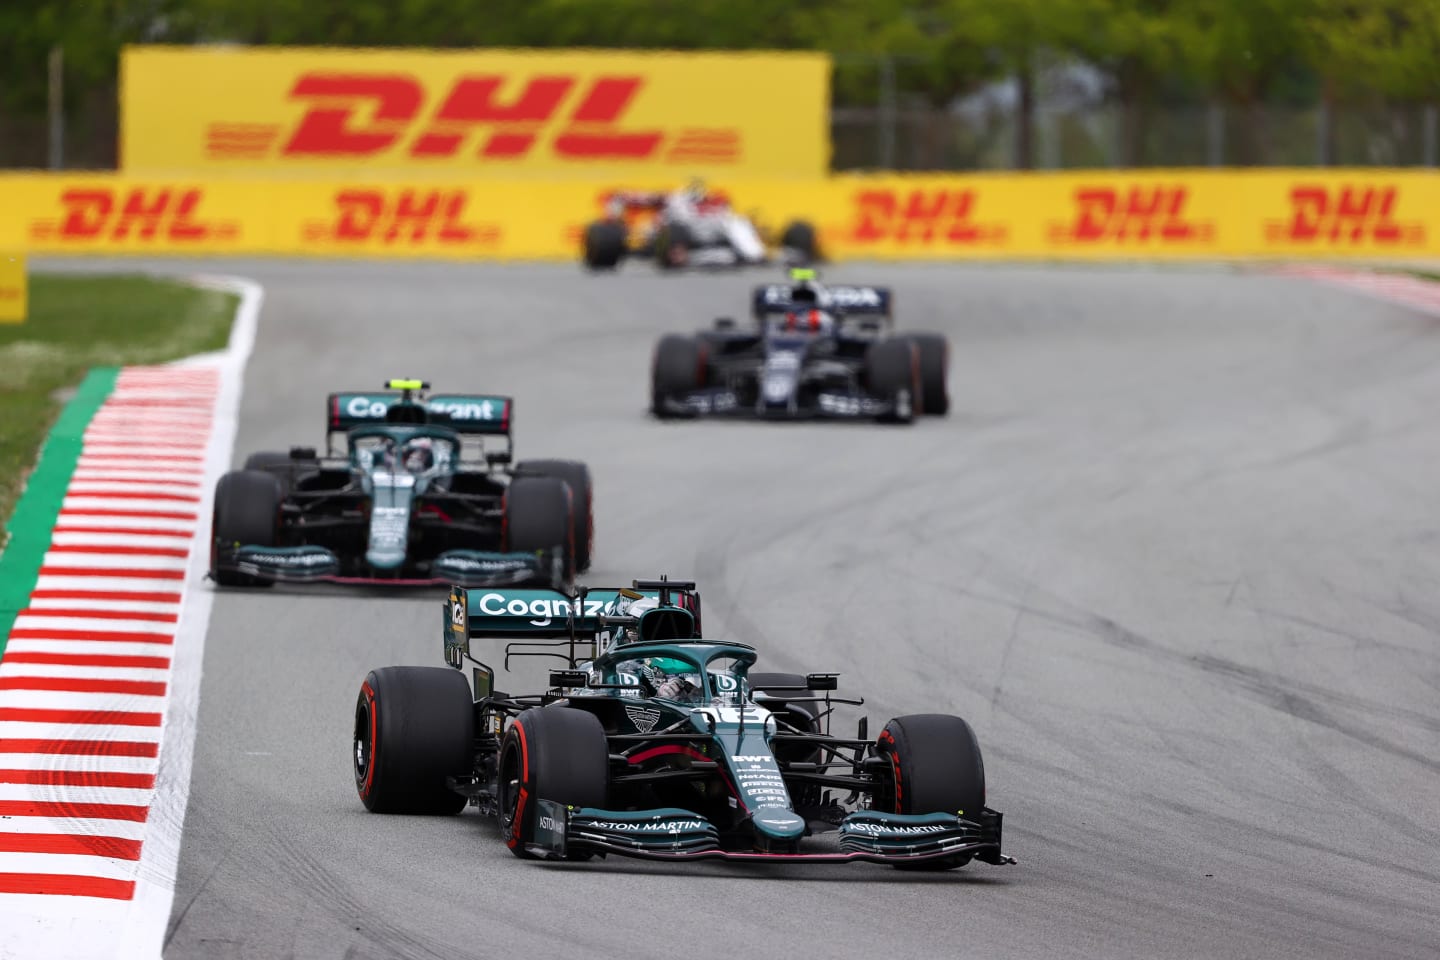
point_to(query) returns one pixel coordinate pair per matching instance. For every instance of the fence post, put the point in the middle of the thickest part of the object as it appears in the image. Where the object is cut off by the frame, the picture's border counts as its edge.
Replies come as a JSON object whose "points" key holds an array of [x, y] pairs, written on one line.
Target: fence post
{"points": [[887, 112], [1429, 121], [1325, 133], [1215, 133], [57, 107]]}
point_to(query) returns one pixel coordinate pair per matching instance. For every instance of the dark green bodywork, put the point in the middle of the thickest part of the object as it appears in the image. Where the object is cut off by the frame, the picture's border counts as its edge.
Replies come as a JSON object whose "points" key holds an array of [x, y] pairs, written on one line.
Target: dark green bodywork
{"points": [[712, 772]]}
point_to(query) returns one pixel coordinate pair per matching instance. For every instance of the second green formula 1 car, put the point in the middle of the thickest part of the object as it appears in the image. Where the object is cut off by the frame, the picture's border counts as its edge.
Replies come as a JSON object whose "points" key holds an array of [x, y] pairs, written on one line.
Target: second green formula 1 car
{"points": [[410, 494]]}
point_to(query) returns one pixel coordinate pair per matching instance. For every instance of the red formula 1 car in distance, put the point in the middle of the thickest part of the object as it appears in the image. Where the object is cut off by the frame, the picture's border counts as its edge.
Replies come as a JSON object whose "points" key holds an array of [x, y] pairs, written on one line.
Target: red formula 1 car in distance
{"points": [[694, 226]]}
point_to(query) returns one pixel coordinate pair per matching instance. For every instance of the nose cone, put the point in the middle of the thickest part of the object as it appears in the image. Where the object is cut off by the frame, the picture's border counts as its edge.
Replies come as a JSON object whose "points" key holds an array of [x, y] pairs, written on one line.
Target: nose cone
{"points": [[778, 823]]}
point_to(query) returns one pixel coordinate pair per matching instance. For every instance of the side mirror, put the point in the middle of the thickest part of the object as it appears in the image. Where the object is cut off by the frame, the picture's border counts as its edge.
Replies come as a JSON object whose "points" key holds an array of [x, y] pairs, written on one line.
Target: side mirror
{"points": [[495, 457], [569, 678], [724, 323], [822, 681], [302, 453]]}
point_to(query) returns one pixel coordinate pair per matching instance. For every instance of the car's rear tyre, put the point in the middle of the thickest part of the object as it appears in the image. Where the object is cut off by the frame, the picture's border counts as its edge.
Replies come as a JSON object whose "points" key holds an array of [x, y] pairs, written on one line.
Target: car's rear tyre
{"points": [[247, 512], [677, 368], [576, 476], [285, 467], [549, 753], [892, 372], [266, 459], [539, 515], [414, 727], [935, 767], [934, 353], [673, 243], [604, 245], [799, 240]]}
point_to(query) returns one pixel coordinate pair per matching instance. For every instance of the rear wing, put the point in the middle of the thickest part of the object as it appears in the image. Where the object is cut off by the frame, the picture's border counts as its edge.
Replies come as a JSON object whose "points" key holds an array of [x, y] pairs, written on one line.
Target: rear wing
{"points": [[533, 615], [477, 414], [852, 301]]}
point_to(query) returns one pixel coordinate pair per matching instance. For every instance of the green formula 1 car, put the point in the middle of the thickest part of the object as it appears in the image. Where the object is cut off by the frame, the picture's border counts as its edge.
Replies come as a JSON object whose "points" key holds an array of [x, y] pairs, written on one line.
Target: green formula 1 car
{"points": [[407, 492], [655, 742]]}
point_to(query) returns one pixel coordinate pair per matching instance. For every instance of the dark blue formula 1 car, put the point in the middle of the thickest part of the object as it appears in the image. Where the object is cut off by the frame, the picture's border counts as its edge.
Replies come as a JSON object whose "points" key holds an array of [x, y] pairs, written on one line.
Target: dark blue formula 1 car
{"points": [[411, 496], [811, 351]]}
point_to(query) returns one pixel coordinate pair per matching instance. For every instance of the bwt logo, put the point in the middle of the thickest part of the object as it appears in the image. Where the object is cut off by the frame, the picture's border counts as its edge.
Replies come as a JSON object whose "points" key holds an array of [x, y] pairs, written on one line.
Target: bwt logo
{"points": [[920, 216], [1347, 214], [109, 214], [354, 116], [402, 217], [1110, 214]]}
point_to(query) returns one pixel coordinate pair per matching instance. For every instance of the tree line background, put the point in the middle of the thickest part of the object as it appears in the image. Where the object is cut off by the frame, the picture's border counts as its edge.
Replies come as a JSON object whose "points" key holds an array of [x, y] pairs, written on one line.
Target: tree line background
{"points": [[918, 84]]}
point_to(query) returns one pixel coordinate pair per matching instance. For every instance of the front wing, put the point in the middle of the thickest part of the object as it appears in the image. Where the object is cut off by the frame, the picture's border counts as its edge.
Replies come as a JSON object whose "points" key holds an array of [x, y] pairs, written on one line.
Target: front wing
{"points": [[826, 405], [675, 834], [466, 568]]}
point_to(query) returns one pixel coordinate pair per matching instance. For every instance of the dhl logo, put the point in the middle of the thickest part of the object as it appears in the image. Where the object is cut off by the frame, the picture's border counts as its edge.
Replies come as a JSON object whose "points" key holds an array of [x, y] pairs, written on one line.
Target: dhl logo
{"points": [[490, 117], [1346, 214], [1116, 215], [107, 214], [405, 217], [922, 217]]}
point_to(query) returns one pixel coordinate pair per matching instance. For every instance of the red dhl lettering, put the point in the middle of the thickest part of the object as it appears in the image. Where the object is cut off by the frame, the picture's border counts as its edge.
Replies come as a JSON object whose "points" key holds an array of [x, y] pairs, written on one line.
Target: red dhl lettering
{"points": [[490, 117], [1110, 214], [1346, 214], [921, 216], [105, 214], [355, 116], [406, 217]]}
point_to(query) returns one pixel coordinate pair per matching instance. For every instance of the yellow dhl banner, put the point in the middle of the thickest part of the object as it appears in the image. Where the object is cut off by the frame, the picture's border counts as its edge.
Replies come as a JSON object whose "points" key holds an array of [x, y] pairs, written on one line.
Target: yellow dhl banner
{"points": [[1151, 215], [474, 113]]}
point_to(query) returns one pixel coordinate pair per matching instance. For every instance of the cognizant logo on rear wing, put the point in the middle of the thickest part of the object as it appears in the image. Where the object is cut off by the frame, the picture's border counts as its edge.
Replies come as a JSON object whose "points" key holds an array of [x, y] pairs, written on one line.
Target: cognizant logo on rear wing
{"points": [[538, 612], [463, 413]]}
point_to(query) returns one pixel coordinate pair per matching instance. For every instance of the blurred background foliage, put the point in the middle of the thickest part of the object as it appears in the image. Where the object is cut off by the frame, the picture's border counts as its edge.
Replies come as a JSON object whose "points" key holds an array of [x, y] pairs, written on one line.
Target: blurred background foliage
{"points": [[918, 84]]}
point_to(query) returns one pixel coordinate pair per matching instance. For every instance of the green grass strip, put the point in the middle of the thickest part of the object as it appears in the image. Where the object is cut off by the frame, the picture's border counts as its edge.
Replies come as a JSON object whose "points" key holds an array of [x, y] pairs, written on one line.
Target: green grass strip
{"points": [[39, 507], [80, 322]]}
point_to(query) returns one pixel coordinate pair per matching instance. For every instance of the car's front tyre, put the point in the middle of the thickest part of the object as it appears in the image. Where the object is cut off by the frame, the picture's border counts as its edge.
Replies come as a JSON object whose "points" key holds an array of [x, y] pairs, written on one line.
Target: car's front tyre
{"points": [[246, 513], [934, 767], [549, 753]]}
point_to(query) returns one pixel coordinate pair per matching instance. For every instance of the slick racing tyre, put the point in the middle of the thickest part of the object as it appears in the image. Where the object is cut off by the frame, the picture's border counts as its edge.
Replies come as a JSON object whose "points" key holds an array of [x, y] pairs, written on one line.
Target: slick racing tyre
{"points": [[539, 514], [892, 372], [673, 243], [414, 727], [935, 767], [799, 243], [934, 353], [266, 460], [604, 245], [284, 466], [549, 753], [577, 477], [677, 368], [247, 511]]}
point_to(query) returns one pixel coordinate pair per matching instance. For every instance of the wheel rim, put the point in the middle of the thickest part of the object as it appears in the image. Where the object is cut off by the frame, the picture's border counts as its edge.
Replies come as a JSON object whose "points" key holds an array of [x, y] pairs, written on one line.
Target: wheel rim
{"points": [[363, 747], [509, 789]]}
